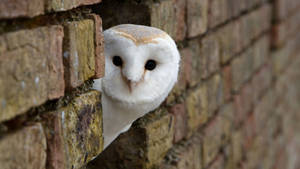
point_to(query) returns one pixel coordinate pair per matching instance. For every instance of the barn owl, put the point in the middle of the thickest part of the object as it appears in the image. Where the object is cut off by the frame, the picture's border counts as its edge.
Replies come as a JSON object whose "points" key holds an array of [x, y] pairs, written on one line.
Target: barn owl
{"points": [[141, 68]]}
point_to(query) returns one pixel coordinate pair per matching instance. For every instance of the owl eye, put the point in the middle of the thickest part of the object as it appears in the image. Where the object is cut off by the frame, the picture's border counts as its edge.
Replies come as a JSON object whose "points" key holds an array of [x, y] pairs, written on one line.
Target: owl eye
{"points": [[117, 61], [150, 65]]}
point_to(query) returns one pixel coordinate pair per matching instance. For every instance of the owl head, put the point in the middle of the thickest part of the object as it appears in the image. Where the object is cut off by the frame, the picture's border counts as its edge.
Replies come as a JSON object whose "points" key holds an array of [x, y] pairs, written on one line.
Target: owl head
{"points": [[141, 65]]}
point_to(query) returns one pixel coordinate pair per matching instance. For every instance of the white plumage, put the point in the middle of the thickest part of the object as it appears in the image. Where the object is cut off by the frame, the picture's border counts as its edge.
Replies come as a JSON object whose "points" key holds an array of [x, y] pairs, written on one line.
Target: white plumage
{"points": [[141, 68]]}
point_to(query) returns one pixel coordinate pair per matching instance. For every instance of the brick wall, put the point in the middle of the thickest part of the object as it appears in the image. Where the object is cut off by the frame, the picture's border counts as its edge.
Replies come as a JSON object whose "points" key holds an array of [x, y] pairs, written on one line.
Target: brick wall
{"points": [[236, 103]]}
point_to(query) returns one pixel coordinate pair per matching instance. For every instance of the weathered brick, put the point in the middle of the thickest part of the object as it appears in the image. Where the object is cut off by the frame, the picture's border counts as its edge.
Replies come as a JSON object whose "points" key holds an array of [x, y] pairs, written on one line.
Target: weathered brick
{"points": [[283, 8], [242, 69], [283, 31], [196, 62], [144, 145], [248, 63], [227, 82], [243, 103], [63, 5], [229, 41], [238, 69], [262, 19], [210, 54], [79, 52], [185, 69], [169, 16], [261, 52], [219, 163], [247, 28], [254, 24], [249, 132], [256, 154], [263, 110], [24, 148], [197, 108], [99, 46], [226, 118], [283, 56], [212, 141], [217, 12], [21, 8], [180, 121], [215, 93], [185, 155], [201, 59], [261, 81], [74, 132], [31, 64], [234, 8], [237, 148], [197, 17]]}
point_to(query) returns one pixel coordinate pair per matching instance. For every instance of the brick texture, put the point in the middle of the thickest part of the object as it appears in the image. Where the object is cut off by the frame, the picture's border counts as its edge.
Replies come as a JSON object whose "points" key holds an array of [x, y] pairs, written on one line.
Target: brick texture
{"points": [[25, 148], [235, 103], [40, 52], [73, 133], [79, 52], [21, 8]]}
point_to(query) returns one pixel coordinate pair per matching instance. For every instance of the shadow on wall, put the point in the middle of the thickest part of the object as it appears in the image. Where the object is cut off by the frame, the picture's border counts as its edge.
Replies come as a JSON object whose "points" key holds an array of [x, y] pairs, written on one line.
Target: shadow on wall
{"points": [[115, 12]]}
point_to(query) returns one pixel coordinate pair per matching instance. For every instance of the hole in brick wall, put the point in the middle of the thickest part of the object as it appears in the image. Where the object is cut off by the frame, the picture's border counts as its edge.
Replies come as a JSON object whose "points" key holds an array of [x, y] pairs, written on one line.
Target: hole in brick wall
{"points": [[115, 12]]}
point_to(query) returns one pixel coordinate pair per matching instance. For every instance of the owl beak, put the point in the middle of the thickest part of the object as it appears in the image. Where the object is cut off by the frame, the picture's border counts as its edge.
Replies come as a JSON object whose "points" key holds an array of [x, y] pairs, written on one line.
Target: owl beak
{"points": [[131, 84]]}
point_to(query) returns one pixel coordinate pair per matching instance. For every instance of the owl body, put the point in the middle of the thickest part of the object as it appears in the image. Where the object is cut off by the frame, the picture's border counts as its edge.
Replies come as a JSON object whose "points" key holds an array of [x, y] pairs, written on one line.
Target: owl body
{"points": [[141, 68]]}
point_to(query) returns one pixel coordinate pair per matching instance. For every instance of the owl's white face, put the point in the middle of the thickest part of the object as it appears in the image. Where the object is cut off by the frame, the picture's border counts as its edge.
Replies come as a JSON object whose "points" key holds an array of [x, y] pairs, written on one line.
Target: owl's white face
{"points": [[139, 73]]}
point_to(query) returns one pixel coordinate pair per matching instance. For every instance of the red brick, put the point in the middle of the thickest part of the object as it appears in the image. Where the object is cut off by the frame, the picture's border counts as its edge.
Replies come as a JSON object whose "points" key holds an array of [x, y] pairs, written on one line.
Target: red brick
{"points": [[197, 17], [21, 8], [180, 123], [56, 84], [24, 148], [99, 46], [31, 65]]}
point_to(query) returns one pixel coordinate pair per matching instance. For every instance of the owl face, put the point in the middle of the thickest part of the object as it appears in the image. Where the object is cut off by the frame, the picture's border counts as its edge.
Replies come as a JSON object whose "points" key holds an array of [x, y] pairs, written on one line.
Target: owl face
{"points": [[141, 64]]}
